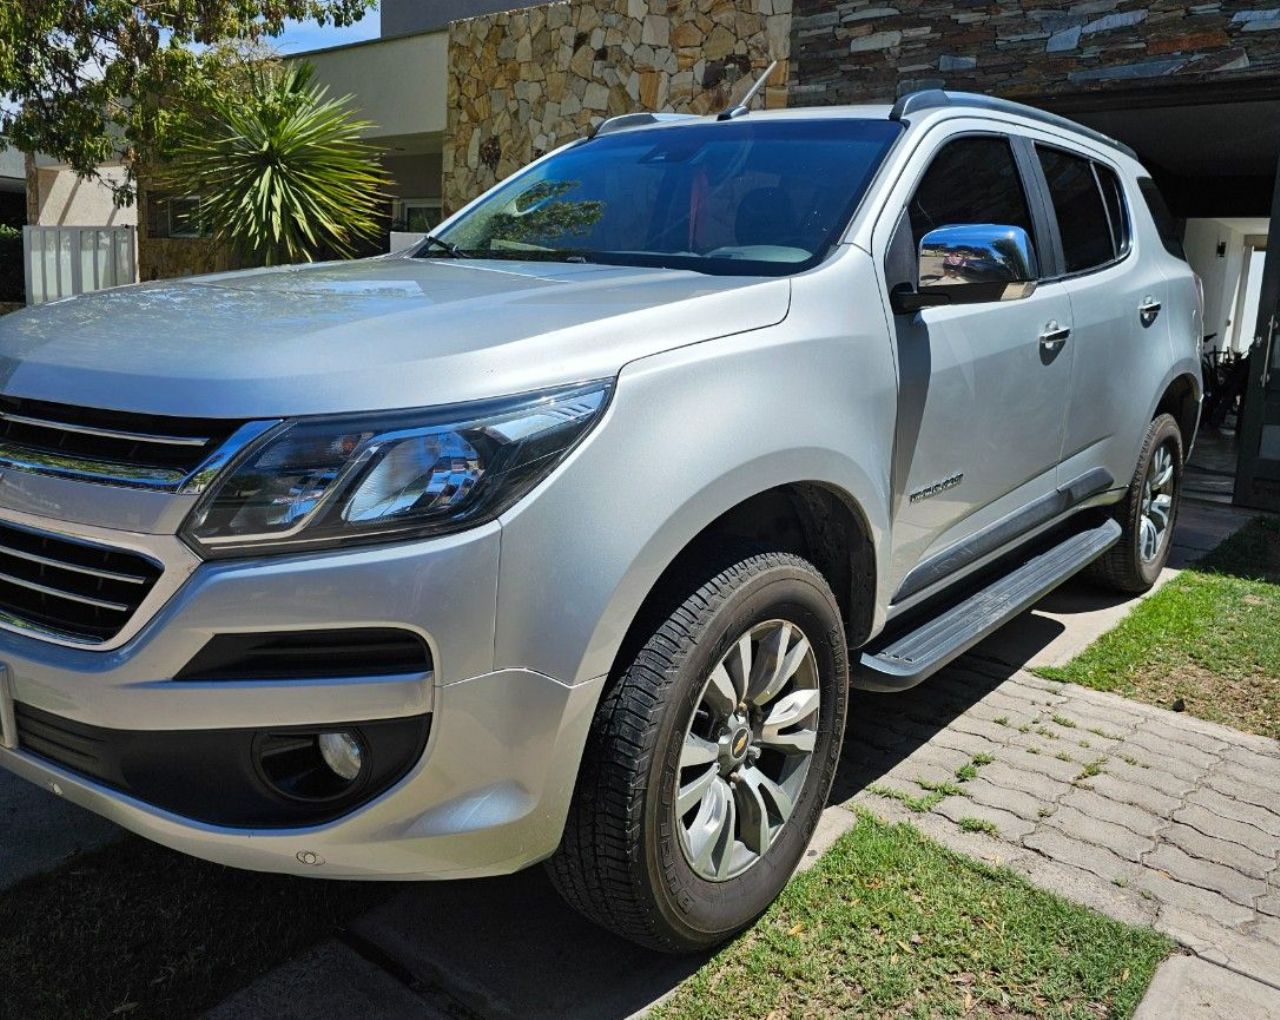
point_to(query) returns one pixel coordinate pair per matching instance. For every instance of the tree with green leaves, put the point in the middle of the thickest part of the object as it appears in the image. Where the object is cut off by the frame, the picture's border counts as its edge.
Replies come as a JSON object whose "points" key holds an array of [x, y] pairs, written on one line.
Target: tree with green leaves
{"points": [[280, 168], [92, 82]]}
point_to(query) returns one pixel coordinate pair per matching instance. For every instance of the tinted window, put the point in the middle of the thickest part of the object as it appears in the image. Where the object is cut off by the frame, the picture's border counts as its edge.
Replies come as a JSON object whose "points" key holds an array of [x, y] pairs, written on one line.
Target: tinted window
{"points": [[751, 196], [1082, 217], [1117, 209], [1165, 225], [972, 180]]}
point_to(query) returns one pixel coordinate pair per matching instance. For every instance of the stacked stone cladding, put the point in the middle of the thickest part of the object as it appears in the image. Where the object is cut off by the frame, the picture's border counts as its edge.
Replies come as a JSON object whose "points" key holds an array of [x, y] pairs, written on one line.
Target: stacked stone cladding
{"points": [[523, 82], [875, 50]]}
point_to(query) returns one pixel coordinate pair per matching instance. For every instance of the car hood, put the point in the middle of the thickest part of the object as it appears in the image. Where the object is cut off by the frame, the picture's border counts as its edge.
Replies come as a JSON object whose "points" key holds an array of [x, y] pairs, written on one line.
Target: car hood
{"points": [[389, 332]]}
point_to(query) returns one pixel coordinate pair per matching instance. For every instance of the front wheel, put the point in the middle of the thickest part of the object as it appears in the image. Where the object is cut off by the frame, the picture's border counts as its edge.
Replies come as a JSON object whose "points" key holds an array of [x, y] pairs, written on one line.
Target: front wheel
{"points": [[1147, 514], [710, 758]]}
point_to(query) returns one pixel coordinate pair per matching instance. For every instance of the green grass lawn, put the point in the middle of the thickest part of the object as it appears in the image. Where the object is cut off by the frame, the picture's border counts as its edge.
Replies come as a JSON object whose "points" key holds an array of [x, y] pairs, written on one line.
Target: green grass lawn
{"points": [[1207, 643], [889, 924], [137, 930]]}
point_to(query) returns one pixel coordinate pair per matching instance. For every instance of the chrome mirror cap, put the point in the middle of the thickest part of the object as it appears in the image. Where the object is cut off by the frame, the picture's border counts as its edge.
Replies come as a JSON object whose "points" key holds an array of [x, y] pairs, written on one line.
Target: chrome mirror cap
{"points": [[996, 262]]}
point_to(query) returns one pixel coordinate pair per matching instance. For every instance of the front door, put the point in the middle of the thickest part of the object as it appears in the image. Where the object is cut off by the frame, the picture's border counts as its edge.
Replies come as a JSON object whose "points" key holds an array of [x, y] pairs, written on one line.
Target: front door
{"points": [[983, 387], [1258, 474]]}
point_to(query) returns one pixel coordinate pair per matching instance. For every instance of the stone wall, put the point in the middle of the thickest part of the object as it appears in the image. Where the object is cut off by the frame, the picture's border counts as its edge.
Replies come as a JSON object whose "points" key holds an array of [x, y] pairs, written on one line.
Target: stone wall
{"points": [[161, 258], [875, 50], [523, 82]]}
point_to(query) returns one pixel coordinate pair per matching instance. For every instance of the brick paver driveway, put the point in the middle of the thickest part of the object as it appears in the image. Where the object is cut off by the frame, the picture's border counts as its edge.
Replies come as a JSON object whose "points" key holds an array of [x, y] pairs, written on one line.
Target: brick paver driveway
{"points": [[1147, 815]]}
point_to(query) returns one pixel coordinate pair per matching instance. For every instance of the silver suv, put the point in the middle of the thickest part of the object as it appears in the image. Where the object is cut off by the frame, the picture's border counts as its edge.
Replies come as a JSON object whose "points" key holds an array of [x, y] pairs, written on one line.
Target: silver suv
{"points": [[550, 539]]}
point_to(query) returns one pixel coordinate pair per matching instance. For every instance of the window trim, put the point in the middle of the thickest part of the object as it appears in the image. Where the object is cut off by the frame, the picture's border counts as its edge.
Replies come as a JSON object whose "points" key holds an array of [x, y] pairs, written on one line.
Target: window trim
{"points": [[1124, 211], [1061, 258]]}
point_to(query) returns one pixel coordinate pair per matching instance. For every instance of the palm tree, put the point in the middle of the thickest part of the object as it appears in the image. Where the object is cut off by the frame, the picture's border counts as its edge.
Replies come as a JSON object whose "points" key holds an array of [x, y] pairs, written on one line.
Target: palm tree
{"points": [[280, 169]]}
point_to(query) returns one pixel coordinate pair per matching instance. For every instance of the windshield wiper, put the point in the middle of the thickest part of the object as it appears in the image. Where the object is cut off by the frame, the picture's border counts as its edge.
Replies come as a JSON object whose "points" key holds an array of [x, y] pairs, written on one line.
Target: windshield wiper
{"points": [[451, 249], [538, 255]]}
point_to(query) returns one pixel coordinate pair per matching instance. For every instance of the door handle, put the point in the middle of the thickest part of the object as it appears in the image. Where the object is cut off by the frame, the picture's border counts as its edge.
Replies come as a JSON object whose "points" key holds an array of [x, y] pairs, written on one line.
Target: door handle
{"points": [[1148, 311], [1054, 334]]}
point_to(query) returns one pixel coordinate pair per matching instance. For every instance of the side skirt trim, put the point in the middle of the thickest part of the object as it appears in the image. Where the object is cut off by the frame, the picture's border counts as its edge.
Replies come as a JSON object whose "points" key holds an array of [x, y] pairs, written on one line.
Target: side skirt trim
{"points": [[956, 557], [905, 660]]}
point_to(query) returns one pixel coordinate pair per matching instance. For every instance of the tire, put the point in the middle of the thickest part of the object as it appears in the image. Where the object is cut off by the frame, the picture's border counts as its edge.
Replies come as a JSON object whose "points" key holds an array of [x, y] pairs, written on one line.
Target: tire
{"points": [[1126, 567], [627, 862]]}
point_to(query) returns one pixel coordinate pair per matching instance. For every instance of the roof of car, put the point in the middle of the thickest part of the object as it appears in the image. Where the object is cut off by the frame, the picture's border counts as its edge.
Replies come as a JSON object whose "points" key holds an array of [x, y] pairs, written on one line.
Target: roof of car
{"points": [[922, 102]]}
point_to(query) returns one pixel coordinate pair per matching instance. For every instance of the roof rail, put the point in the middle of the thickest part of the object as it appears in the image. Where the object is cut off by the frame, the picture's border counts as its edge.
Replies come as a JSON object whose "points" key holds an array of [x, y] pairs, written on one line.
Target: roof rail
{"points": [[934, 99], [626, 121]]}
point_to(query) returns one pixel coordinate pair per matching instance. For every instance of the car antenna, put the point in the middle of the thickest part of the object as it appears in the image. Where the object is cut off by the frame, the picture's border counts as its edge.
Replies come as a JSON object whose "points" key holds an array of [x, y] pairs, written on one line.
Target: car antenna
{"points": [[743, 106]]}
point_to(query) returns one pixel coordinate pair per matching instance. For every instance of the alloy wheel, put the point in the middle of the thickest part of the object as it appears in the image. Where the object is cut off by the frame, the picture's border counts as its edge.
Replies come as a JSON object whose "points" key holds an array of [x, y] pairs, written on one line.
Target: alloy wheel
{"points": [[747, 750], [1157, 504]]}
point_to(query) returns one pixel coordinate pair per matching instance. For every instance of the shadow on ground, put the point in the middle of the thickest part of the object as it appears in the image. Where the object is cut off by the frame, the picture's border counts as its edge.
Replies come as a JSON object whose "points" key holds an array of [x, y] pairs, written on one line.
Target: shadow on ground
{"points": [[502, 947], [509, 947]]}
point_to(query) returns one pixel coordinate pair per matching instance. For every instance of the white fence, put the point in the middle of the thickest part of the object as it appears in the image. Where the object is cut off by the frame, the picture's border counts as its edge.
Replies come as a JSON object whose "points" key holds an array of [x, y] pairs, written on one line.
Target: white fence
{"points": [[64, 261]]}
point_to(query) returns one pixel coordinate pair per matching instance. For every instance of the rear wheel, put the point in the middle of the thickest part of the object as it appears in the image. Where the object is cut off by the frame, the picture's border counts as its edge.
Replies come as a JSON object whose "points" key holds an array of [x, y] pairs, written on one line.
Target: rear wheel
{"points": [[710, 758], [1147, 514]]}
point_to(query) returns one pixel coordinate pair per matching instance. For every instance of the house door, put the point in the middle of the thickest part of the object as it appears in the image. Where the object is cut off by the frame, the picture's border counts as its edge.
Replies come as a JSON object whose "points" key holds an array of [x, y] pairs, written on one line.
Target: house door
{"points": [[1258, 475]]}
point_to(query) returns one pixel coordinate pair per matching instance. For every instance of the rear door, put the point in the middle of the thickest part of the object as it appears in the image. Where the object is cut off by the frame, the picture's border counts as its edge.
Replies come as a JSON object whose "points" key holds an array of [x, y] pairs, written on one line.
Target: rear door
{"points": [[982, 393], [1120, 331]]}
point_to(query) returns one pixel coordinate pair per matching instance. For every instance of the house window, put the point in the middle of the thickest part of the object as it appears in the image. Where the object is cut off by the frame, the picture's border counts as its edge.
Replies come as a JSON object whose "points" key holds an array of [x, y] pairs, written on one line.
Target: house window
{"points": [[418, 215], [174, 216], [184, 217]]}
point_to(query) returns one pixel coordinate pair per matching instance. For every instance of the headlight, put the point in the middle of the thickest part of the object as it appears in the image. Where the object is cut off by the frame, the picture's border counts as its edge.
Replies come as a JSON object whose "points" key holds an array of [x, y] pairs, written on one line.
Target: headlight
{"points": [[334, 481]]}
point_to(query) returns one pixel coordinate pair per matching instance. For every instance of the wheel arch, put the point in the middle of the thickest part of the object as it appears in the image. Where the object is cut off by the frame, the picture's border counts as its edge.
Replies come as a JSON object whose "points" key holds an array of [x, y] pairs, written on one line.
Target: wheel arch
{"points": [[815, 520], [1180, 397]]}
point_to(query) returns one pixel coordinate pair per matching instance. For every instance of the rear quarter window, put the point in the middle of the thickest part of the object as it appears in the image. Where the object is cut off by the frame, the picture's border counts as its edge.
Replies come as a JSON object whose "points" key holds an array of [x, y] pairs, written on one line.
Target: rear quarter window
{"points": [[1166, 226], [1117, 208]]}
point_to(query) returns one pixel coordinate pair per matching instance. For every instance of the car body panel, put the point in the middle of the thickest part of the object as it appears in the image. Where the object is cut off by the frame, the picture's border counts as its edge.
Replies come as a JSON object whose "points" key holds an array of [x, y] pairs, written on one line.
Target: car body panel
{"points": [[384, 333], [689, 436], [981, 402], [490, 794]]}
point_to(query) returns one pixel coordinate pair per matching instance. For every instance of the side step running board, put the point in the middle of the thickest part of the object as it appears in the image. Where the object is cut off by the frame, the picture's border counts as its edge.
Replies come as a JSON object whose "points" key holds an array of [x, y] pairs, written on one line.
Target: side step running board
{"points": [[906, 659]]}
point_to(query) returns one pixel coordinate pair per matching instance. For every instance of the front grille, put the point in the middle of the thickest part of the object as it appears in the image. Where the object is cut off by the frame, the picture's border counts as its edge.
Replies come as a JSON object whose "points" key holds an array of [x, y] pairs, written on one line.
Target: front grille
{"points": [[56, 435], [70, 589]]}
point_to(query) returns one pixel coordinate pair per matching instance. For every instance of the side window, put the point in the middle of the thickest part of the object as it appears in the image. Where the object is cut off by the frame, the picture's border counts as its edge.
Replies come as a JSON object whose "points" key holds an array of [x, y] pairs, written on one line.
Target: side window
{"points": [[1078, 203], [972, 180], [1166, 226], [1117, 209]]}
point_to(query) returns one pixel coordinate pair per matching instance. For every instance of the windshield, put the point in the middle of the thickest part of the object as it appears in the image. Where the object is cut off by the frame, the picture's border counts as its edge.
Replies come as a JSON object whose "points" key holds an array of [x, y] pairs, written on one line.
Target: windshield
{"points": [[741, 197]]}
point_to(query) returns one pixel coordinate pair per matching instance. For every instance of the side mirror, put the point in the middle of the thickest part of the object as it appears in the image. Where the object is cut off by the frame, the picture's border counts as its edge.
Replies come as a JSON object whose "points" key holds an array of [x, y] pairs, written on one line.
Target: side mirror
{"points": [[968, 264]]}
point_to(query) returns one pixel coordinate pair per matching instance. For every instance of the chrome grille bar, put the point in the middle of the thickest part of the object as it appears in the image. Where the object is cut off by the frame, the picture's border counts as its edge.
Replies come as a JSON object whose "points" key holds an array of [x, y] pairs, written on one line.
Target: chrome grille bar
{"points": [[77, 587], [75, 568], [102, 433], [84, 600]]}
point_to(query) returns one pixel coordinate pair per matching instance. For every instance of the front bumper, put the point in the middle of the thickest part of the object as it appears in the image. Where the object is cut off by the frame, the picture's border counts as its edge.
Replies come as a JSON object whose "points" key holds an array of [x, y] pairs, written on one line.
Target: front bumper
{"points": [[488, 796]]}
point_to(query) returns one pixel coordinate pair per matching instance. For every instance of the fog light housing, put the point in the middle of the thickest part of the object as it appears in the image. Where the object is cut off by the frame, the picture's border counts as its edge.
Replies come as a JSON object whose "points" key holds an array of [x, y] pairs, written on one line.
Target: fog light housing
{"points": [[316, 765], [343, 753]]}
